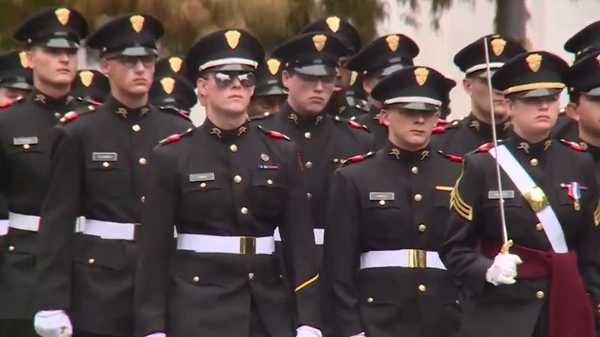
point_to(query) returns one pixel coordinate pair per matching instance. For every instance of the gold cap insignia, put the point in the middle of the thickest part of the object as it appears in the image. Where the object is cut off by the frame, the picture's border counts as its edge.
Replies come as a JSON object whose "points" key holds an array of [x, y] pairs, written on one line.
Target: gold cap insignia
{"points": [[333, 22], [137, 23], [175, 63], [62, 14], [86, 77], [23, 59], [319, 41], [353, 77], [421, 75], [273, 65], [392, 42], [168, 84], [498, 46], [534, 61], [233, 38]]}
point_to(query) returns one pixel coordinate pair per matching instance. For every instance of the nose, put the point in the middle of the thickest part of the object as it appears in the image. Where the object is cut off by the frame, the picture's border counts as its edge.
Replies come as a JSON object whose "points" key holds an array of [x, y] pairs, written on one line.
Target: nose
{"points": [[319, 85]]}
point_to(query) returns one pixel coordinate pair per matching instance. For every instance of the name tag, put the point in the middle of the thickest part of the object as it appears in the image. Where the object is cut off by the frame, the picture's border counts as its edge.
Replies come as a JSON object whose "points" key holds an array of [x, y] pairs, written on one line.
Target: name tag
{"points": [[200, 177], [104, 156], [381, 196], [25, 140], [506, 194]]}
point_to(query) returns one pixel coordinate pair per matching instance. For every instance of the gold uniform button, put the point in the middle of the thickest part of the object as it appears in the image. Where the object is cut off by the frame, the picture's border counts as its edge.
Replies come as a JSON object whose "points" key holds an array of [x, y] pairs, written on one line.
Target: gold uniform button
{"points": [[422, 288], [539, 227], [136, 127], [244, 210], [414, 170], [11, 248], [202, 185], [142, 161], [26, 146], [233, 148], [91, 261], [106, 164], [269, 182], [418, 197], [308, 195], [370, 300], [143, 199], [335, 160], [307, 135], [534, 162], [422, 228], [308, 164], [57, 115], [237, 179], [539, 294], [381, 202], [250, 276], [196, 279]]}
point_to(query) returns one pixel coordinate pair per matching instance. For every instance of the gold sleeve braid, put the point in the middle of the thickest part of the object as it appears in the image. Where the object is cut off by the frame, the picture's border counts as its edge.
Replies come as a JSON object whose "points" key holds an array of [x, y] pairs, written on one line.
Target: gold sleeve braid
{"points": [[458, 204]]}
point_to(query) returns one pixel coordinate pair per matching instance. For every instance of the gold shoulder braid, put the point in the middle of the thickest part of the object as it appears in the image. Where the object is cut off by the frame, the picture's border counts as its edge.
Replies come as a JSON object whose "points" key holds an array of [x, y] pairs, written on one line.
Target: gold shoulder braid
{"points": [[459, 205], [597, 215]]}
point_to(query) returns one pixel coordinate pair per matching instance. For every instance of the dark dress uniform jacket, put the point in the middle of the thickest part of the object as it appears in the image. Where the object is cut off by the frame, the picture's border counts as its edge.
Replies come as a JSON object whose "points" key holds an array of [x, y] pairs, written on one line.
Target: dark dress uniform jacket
{"points": [[394, 200], [323, 141], [26, 139], [379, 131], [98, 171], [241, 182], [515, 309], [463, 136]]}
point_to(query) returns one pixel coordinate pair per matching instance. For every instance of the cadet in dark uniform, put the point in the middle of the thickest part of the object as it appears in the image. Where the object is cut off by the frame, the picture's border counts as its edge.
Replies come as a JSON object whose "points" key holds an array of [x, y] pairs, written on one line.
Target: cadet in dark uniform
{"points": [[349, 36], [99, 170], [462, 136], [26, 139], [16, 77], [380, 58], [269, 95], [323, 140], [90, 87], [581, 44], [225, 185], [171, 91], [542, 286], [583, 81], [387, 220]]}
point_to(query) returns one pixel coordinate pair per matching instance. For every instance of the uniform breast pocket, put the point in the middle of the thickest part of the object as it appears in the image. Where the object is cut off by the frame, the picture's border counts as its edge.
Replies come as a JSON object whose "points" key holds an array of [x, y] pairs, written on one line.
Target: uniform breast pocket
{"points": [[26, 157], [205, 198], [384, 207], [441, 196], [106, 178], [268, 193]]}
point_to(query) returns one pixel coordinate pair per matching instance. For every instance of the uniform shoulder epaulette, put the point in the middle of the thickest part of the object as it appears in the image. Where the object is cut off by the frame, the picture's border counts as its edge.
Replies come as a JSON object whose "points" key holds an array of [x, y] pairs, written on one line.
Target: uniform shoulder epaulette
{"points": [[351, 123], [484, 148], [357, 158], [442, 122], [438, 130], [261, 116], [174, 138], [10, 102], [451, 157], [573, 145], [273, 134], [184, 116], [453, 124]]}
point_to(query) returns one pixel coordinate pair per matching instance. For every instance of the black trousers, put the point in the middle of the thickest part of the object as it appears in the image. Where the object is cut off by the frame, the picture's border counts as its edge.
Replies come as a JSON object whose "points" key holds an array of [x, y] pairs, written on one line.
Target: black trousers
{"points": [[17, 328]]}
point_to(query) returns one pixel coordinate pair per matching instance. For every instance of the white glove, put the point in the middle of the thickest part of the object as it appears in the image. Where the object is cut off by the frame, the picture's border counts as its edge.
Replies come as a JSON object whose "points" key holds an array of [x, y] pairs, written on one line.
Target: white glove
{"points": [[308, 331], [503, 270], [157, 334], [52, 323], [362, 334]]}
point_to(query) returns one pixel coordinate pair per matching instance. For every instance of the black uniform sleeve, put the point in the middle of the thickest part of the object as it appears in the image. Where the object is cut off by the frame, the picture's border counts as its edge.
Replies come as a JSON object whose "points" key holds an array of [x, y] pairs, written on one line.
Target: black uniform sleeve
{"points": [[342, 248], [58, 215], [459, 251], [297, 233], [155, 246]]}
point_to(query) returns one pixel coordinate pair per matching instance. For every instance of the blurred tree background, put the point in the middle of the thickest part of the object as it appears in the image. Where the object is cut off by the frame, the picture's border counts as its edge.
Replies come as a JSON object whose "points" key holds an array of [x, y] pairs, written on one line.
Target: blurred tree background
{"points": [[271, 20]]}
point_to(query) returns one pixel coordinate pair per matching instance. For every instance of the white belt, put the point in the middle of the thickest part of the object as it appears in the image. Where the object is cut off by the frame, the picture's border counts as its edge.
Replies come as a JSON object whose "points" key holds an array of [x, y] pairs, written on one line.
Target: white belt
{"points": [[109, 230], [319, 234], [3, 227], [408, 258], [244, 245], [24, 222]]}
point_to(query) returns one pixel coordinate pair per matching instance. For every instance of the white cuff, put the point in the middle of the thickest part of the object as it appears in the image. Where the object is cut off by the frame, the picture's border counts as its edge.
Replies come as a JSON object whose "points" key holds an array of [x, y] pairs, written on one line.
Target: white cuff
{"points": [[308, 331]]}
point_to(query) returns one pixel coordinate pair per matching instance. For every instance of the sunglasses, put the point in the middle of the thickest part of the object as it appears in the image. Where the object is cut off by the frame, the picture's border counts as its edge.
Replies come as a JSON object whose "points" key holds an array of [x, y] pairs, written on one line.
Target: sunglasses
{"points": [[330, 79], [130, 62], [225, 79]]}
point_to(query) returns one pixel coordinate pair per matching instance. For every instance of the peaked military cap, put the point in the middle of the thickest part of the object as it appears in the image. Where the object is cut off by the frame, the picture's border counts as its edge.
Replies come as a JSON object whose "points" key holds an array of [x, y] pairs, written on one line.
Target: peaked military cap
{"points": [[169, 66], [385, 55], [415, 88], [128, 35], [584, 76], [225, 50], [315, 53], [471, 59], [341, 28], [532, 74], [15, 71], [173, 92], [584, 41], [90, 85], [53, 28], [268, 78]]}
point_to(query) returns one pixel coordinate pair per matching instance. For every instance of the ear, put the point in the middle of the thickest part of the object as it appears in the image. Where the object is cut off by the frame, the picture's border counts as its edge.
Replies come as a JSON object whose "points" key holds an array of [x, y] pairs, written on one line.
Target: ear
{"points": [[385, 117], [467, 84], [571, 111], [29, 57], [285, 78], [104, 66], [202, 86]]}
